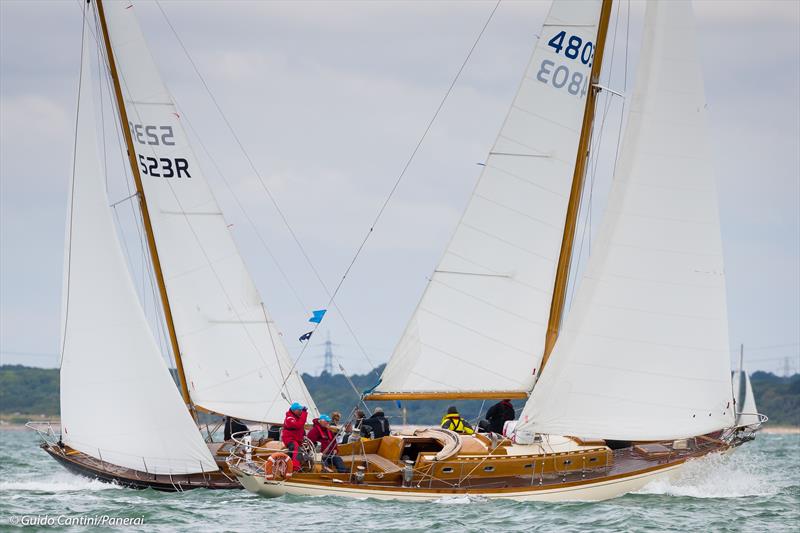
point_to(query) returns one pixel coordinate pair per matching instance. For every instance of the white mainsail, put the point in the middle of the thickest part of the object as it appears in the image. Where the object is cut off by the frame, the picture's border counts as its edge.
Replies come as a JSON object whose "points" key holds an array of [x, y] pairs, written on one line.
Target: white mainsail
{"points": [[118, 401], [233, 354], [644, 351], [488, 300]]}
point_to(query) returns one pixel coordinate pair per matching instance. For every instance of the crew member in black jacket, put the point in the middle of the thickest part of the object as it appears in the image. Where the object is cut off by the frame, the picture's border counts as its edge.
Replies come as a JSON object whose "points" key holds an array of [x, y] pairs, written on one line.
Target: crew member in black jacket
{"points": [[376, 426], [499, 414]]}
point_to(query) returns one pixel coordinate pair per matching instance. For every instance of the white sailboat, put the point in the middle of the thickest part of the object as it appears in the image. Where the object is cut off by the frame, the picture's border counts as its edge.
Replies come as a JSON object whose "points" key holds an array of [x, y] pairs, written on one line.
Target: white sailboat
{"points": [[122, 418], [637, 379]]}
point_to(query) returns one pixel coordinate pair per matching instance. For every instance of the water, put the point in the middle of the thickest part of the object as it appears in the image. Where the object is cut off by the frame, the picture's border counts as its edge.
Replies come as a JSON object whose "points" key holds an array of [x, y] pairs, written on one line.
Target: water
{"points": [[757, 488]]}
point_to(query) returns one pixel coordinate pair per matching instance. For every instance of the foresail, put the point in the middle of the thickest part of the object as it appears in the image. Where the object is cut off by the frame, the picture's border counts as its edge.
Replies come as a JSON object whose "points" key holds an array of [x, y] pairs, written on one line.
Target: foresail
{"points": [[746, 410], [480, 325], [118, 401], [233, 355], [644, 351]]}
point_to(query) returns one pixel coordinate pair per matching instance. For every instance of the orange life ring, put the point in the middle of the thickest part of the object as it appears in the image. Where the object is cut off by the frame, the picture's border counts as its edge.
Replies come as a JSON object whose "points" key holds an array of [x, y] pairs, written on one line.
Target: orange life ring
{"points": [[278, 466]]}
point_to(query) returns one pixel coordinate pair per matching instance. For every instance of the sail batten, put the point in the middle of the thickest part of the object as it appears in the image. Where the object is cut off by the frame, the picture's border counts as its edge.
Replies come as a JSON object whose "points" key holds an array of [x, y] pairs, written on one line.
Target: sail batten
{"points": [[233, 354], [118, 401], [644, 353], [479, 329]]}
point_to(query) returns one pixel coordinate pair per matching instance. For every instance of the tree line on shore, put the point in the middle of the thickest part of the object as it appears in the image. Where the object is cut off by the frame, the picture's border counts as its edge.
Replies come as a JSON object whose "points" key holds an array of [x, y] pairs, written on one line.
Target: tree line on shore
{"points": [[34, 391]]}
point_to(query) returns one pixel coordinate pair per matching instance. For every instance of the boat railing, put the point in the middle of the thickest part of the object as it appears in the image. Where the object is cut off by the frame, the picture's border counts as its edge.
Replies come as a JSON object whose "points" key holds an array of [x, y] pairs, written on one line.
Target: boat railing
{"points": [[44, 429], [243, 450], [739, 434]]}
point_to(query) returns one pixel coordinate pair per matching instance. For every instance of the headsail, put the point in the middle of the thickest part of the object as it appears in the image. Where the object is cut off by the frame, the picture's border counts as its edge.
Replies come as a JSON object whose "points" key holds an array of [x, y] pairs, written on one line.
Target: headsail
{"points": [[746, 411], [644, 352], [233, 354], [479, 328], [118, 402]]}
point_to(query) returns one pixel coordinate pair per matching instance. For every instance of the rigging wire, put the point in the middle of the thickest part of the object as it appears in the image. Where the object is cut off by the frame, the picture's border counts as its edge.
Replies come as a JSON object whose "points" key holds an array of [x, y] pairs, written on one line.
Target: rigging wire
{"points": [[269, 194], [332, 295], [594, 158], [405, 167], [72, 193], [596, 155]]}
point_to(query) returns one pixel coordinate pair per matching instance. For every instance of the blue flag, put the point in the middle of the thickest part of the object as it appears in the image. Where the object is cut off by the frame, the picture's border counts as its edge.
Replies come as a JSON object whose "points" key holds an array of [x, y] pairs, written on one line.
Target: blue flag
{"points": [[317, 316]]}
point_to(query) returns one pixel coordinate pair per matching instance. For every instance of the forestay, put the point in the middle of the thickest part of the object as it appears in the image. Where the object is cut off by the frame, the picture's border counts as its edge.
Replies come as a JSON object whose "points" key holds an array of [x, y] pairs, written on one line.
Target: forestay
{"points": [[233, 354], [480, 325], [644, 352], [118, 401]]}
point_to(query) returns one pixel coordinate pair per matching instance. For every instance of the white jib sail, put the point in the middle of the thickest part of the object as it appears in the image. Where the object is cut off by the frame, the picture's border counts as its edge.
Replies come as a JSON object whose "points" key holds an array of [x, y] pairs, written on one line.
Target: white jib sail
{"points": [[746, 411], [118, 401], [481, 323], [233, 354], [644, 351]]}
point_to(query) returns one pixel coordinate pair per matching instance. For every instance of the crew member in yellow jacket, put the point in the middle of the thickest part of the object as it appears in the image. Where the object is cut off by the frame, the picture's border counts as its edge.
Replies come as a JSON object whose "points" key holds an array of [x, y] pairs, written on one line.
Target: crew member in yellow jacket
{"points": [[453, 421]]}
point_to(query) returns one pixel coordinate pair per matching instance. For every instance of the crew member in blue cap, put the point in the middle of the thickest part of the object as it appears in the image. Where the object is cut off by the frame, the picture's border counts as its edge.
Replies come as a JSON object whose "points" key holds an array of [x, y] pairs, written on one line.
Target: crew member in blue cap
{"points": [[294, 431], [321, 433]]}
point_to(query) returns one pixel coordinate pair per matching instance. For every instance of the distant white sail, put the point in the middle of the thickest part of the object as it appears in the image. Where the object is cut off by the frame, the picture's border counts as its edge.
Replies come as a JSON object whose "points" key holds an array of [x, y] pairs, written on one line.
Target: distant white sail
{"points": [[746, 411], [644, 351], [234, 356], [480, 325], [118, 401]]}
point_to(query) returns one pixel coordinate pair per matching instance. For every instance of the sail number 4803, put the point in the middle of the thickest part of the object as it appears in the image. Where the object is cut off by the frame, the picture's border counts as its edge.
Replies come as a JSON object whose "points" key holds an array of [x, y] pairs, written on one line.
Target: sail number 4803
{"points": [[573, 81], [561, 78]]}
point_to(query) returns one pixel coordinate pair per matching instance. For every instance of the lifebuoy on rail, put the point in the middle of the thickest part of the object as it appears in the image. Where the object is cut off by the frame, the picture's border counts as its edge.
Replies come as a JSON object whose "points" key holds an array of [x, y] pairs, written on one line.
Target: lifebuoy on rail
{"points": [[278, 467]]}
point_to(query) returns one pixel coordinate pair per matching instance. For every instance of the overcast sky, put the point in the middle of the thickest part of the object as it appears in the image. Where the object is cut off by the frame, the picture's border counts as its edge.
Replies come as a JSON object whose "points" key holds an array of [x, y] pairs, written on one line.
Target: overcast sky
{"points": [[329, 100]]}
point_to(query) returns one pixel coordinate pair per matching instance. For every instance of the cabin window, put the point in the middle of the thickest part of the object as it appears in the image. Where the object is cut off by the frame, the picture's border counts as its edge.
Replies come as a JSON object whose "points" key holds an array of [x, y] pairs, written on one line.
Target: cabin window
{"points": [[567, 461], [593, 459], [447, 470], [529, 465], [488, 469]]}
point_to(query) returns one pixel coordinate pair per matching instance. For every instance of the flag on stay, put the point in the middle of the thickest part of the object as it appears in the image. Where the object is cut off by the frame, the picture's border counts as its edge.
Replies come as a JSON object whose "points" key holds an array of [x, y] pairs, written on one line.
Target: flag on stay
{"points": [[305, 336], [316, 316]]}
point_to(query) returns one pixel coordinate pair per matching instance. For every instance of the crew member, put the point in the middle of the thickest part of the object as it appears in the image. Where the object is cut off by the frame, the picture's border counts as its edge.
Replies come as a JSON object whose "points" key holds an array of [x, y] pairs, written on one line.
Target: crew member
{"points": [[453, 421], [376, 426], [294, 431], [499, 414], [321, 433]]}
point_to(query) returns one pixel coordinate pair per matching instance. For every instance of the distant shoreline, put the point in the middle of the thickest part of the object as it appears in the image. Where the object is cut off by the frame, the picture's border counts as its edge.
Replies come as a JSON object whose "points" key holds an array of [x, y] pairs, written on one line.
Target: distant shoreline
{"points": [[781, 430]]}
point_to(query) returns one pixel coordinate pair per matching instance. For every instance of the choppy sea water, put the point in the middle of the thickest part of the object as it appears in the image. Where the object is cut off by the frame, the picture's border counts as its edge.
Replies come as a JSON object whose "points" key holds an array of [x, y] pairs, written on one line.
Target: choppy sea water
{"points": [[757, 488]]}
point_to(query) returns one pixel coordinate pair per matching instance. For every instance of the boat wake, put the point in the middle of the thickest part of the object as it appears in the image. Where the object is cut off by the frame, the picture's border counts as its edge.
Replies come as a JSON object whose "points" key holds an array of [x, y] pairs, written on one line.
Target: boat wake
{"points": [[460, 500], [716, 476], [57, 483]]}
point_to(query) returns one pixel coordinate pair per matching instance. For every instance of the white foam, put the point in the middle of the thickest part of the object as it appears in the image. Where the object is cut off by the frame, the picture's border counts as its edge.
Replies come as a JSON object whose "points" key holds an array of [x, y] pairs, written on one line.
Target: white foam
{"points": [[460, 500], [58, 482], [716, 476]]}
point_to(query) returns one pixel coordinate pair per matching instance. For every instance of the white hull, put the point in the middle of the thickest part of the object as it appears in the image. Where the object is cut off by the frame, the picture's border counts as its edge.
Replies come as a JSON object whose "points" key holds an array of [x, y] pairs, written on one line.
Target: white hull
{"points": [[592, 491]]}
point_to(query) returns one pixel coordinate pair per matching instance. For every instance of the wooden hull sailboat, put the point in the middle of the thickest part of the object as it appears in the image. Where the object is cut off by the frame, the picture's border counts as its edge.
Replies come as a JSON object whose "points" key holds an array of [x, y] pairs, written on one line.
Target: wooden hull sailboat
{"points": [[635, 381], [122, 417], [556, 469]]}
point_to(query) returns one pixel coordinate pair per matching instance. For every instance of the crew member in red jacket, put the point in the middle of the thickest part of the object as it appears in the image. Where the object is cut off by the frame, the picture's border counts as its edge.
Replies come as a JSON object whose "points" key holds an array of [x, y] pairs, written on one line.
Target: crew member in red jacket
{"points": [[321, 433], [294, 431]]}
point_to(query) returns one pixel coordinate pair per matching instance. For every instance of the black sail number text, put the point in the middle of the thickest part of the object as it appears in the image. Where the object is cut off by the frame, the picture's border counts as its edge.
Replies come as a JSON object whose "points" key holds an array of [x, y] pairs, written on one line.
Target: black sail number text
{"points": [[164, 167]]}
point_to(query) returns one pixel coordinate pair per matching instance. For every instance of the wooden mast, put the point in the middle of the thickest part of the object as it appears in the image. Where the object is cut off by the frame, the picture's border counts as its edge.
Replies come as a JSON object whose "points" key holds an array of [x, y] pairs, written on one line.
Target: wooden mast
{"points": [[148, 227], [565, 257]]}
